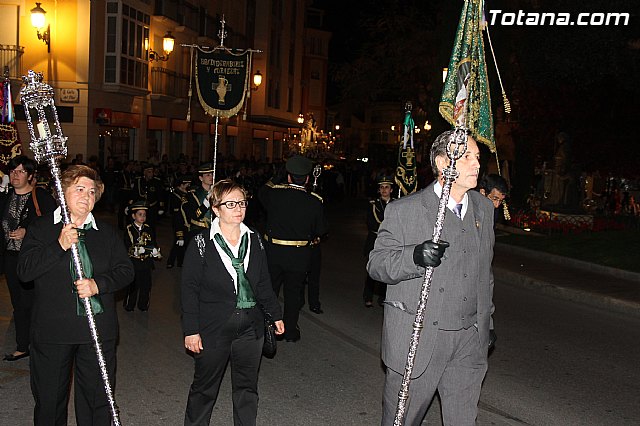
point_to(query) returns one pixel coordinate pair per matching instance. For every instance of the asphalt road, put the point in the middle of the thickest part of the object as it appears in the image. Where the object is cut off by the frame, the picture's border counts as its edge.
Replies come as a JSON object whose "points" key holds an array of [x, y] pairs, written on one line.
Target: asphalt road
{"points": [[556, 362]]}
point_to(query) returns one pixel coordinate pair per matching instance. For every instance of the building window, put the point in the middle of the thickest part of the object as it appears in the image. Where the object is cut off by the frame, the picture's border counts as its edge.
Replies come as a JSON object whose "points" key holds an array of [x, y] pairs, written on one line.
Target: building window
{"points": [[126, 59]]}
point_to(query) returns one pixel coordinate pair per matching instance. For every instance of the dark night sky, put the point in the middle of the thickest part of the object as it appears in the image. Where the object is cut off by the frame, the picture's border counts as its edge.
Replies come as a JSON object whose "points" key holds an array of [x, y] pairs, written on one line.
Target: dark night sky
{"points": [[570, 78]]}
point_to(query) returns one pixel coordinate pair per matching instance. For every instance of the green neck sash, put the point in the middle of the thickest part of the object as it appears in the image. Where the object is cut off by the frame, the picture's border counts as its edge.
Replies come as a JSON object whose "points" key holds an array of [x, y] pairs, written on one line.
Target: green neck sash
{"points": [[246, 298], [87, 269]]}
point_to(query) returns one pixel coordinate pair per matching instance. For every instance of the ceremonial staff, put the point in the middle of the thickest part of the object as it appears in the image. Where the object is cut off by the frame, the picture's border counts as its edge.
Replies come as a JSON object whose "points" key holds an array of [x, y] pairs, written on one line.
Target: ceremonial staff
{"points": [[317, 170], [50, 147]]}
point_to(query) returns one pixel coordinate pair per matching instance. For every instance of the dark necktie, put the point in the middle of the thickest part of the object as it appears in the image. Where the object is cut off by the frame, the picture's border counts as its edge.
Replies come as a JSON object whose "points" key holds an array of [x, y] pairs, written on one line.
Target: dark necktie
{"points": [[246, 298], [87, 269], [458, 210]]}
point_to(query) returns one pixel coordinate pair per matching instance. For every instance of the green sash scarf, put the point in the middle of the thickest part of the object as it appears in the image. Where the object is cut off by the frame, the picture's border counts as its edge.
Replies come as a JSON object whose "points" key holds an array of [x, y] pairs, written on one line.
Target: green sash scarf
{"points": [[246, 298], [87, 268]]}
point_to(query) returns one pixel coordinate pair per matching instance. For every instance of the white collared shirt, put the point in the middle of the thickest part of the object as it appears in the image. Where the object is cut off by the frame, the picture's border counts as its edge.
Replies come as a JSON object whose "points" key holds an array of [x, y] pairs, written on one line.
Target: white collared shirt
{"points": [[57, 218], [437, 188], [215, 229]]}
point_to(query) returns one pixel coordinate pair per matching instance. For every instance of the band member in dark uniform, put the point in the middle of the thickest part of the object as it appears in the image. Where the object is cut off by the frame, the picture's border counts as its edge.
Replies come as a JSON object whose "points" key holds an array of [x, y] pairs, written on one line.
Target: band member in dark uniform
{"points": [[294, 219], [179, 219], [375, 215], [125, 180], [140, 240], [197, 208], [150, 189]]}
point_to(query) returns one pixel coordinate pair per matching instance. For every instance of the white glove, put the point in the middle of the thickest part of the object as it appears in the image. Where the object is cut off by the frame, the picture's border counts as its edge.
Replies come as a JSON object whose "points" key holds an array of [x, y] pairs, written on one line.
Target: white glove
{"points": [[140, 250], [180, 243], [155, 252], [206, 203], [4, 185], [160, 212]]}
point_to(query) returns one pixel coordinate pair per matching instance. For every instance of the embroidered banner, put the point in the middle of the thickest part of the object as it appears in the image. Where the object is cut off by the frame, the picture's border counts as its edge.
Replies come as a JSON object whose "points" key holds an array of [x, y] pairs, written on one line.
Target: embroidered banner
{"points": [[222, 81]]}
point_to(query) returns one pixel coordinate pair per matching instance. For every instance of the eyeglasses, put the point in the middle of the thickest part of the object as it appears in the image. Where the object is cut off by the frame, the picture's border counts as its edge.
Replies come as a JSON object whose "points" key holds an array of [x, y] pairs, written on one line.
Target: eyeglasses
{"points": [[232, 204], [496, 199], [16, 172]]}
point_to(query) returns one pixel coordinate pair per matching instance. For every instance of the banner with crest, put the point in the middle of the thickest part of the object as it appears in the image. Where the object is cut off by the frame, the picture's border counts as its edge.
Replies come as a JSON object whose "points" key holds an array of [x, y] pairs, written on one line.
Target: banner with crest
{"points": [[222, 80], [9, 138]]}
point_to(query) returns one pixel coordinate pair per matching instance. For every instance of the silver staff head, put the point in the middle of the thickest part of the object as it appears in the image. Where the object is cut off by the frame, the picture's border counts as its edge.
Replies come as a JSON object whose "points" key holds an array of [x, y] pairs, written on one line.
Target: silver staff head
{"points": [[39, 108], [456, 147]]}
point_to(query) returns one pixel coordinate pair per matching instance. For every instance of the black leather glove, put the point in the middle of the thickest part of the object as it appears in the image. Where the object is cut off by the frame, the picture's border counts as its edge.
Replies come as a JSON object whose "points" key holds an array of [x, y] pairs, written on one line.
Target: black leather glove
{"points": [[492, 338], [429, 253]]}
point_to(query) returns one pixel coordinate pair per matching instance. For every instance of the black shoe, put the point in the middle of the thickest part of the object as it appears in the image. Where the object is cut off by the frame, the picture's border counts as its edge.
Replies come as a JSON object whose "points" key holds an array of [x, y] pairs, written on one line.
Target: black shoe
{"points": [[381, 302], [169, 266], [368, 304], [292, 337], [128, 309], [12, 357], [317, 310]]}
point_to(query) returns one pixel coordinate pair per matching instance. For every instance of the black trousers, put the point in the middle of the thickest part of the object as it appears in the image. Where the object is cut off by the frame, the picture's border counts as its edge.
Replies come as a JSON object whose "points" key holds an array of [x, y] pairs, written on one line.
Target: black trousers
{"points": [[372, 287], [237, 343], [22, 295], [51, 366], [176, 252], [313, 278], [140, 289], [293, 283]]}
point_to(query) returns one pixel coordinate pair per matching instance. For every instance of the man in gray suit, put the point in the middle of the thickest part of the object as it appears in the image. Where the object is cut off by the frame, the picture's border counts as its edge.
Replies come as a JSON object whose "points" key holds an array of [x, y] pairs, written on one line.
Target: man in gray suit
{"points": [[454, 344]]}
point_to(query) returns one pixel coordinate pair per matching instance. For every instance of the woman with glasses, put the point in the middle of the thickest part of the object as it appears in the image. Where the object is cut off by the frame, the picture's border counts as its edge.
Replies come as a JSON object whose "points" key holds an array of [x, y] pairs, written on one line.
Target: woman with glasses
{"points": [[19, 206], [225, 282]]}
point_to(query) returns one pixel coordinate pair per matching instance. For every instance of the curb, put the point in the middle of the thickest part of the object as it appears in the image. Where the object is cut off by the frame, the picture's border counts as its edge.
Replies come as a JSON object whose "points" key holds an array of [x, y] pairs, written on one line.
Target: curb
{"points": [[567, 261], [596, 300]]}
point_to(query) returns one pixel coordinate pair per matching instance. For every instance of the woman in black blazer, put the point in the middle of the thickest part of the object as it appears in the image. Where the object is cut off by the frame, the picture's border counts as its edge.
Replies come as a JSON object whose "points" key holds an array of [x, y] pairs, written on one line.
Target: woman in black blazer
{"points": [[60, 336], [221, 316]]}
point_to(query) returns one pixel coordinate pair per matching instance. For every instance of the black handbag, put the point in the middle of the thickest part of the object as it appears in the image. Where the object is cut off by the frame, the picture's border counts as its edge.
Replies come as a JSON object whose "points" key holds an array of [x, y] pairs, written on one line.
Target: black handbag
{"points": [[270, 345]]}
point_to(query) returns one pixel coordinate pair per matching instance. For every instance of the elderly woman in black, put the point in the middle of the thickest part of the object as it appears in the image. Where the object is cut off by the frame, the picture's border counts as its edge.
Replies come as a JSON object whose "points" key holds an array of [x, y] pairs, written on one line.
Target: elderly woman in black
{"points": [[224, 280], [60, 332]]}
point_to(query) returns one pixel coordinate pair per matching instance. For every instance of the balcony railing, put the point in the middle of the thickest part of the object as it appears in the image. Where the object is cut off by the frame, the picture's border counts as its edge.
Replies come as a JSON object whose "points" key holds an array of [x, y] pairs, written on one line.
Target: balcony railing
{"points": [[169, 83], [11, 57]]}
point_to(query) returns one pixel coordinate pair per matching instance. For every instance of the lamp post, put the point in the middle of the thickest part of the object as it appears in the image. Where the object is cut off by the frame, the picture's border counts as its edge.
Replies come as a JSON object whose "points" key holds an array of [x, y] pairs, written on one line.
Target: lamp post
{"points": [[38, 21], [168, 42]]}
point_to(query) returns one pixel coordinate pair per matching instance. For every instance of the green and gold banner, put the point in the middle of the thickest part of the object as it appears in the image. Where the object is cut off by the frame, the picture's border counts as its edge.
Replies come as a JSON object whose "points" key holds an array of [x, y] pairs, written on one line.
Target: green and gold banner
{"points": [[465, 98], [406, 170], [222, 80]]}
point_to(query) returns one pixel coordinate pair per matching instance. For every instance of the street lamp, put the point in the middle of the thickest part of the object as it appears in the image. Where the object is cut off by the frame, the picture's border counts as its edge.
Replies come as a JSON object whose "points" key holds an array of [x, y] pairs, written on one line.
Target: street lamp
{"points": [[168, 42], [38, 20], [257, 80]]}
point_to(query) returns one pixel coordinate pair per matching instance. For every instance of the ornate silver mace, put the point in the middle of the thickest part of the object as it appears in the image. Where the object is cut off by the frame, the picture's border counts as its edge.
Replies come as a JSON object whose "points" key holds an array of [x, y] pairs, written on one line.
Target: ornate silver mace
{"points": [[50, 147], [456, 147], [317, 170]]}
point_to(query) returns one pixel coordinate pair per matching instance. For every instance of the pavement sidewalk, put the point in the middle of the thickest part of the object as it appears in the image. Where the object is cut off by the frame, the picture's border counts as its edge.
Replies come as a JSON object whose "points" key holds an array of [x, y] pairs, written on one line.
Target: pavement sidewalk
{"points": [[607, 288]]}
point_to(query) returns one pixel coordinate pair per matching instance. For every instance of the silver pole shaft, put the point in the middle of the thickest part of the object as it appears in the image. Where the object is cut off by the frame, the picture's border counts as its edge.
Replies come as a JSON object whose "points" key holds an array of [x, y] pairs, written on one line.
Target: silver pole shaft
{"points": [[215, 150]]}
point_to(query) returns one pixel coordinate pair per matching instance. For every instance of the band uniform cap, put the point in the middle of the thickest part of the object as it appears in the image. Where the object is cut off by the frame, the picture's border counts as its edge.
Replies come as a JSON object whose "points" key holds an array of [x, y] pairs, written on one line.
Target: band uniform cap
{"points": [[146, 166], [299, 165], [385, 180], [138, 205], [185, 179], [205, 168]]}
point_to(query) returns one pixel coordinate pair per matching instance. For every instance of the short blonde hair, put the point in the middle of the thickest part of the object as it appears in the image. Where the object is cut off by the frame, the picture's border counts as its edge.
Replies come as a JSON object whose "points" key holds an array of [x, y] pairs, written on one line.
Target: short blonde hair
{"points": [[222, 188]]}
